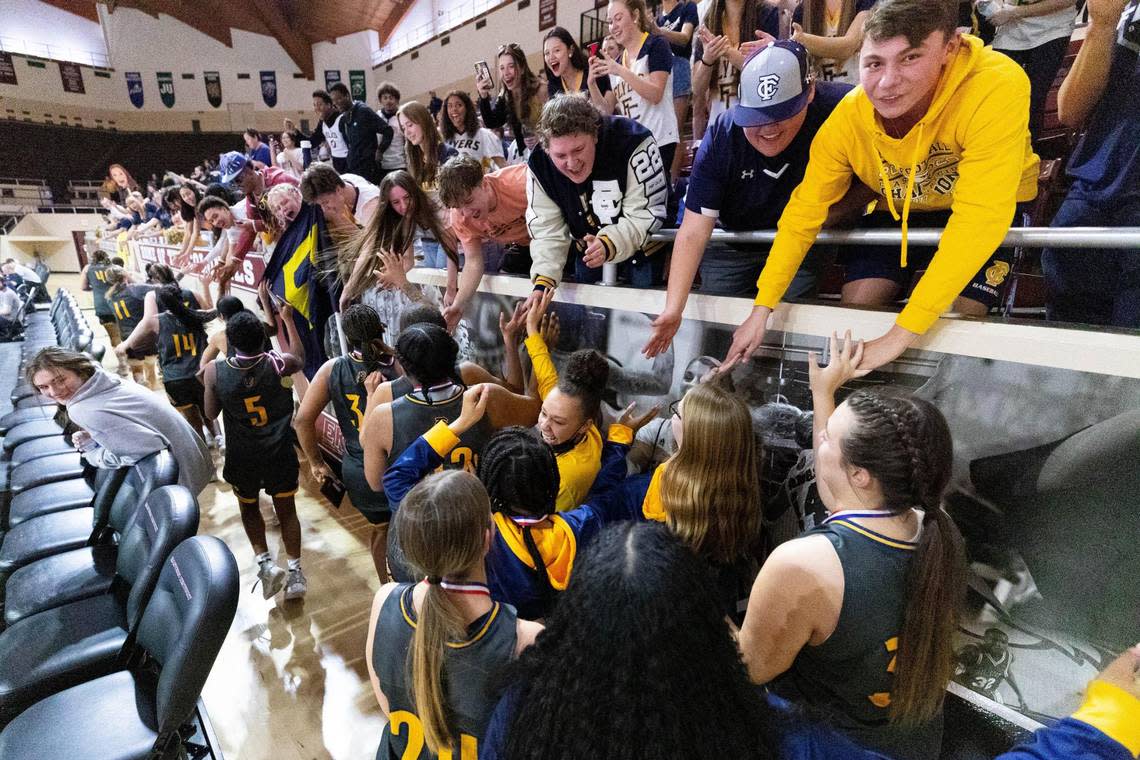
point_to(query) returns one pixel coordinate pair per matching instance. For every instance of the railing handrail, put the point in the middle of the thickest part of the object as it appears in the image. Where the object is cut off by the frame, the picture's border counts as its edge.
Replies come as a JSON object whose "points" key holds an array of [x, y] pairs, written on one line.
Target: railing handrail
{"points": [[23, 181], [51, 52], [1030, 237]]}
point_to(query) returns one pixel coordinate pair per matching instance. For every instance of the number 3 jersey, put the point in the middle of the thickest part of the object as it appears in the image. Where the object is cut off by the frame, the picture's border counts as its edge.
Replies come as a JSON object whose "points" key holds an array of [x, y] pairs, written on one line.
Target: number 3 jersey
{"points": [[622, 202], [257, 405]]}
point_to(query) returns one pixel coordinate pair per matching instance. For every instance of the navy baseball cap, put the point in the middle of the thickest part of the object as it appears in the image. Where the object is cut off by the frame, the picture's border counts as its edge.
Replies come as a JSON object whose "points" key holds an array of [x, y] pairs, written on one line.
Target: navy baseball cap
{"points": [[230, 164], [774, 84]]}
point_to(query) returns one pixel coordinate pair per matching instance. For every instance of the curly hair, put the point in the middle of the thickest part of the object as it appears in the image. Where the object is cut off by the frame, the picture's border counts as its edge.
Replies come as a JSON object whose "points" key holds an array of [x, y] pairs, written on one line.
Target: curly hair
{"points": [[458, 178], [636, 662], [567, 114], [470, 118], [584, 377], [905, 444]]}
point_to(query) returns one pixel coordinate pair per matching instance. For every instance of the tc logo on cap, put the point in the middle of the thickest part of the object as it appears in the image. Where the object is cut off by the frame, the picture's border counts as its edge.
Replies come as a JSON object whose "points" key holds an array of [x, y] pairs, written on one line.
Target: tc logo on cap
{"points": [[767, 86]]}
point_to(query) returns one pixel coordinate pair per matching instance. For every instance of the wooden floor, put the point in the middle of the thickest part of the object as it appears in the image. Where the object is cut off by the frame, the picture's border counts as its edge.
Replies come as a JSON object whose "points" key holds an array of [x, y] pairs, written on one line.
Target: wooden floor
{"points": [[290, 682]]}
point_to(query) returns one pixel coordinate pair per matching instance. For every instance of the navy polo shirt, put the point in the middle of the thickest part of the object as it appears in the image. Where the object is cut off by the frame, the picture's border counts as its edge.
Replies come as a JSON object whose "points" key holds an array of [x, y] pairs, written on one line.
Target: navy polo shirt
{"points": [[745, 190]]}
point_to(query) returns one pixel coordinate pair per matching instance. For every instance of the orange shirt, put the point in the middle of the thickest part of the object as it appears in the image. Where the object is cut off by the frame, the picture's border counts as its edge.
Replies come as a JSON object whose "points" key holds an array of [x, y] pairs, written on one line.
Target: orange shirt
{"points": [[507, 222]]}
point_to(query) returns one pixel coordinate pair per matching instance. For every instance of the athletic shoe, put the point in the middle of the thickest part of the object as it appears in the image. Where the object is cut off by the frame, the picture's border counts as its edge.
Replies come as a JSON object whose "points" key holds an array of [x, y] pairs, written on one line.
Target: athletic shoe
{"points": [[296, 586], [220, 444], [271, 577]]}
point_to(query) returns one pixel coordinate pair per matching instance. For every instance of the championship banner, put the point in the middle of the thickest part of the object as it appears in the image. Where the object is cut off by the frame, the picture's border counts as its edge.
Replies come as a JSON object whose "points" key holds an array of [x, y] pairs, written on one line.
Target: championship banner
{"points": [[547, 14], [135, 88], [72, 77], [269, 88], [7, 69], [213, 87], [166, 88], [356, 84], [332, 76]]}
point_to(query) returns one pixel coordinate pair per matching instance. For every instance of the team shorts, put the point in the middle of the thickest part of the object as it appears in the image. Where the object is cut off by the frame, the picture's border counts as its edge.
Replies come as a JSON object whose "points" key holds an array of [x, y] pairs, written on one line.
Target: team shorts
{"points": [[682, 77], [185, 392], [250, 472], [150, 348], [882, 261], [373, 505]]}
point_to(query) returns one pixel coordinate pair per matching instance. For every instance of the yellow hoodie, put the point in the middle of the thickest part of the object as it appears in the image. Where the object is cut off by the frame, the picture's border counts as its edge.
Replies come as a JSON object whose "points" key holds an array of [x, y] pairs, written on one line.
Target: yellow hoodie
{"points": [[970, 153]]}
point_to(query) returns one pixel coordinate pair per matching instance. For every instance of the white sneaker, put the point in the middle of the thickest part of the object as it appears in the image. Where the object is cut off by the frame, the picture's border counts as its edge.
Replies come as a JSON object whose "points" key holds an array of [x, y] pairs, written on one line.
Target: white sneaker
{"points": [[296, 586], [271, 577], [220, 444]]}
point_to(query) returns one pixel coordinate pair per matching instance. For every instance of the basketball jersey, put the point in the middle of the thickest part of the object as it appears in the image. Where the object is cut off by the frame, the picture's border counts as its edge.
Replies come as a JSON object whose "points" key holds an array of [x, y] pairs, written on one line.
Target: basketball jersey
{"points": [[178, 348], [257, 405], [849, 677], [412, 416], [986, 674], [97, 280], [349, 397], [470, 670], [334, 138], [127, 305]]}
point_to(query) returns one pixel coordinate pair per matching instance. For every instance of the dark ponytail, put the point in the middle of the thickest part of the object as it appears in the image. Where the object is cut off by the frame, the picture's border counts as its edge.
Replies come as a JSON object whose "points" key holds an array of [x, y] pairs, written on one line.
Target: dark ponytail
{"points": [[428, 354], [584, 377], [905, 444], [169, 298], [521, 476], [364, 332]]}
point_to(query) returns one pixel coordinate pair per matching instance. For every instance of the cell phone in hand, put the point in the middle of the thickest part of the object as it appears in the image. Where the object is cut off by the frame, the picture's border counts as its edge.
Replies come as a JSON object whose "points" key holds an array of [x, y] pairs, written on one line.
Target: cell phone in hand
{"points": [[594, 49], [482, 71]]}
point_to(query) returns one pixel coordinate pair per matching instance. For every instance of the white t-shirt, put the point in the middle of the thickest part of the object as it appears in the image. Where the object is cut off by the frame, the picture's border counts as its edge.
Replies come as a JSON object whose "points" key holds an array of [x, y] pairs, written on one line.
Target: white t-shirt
{"points": [[393, 157], [291, 162], [483, 146], [9, 303], [338, 147], [1030, 32], [366, 192], [659, 118], [725, 92]]}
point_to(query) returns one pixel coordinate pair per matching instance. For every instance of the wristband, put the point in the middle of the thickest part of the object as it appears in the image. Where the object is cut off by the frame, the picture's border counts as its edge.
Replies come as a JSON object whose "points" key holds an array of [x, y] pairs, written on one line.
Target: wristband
{"points": [[706, 62]]}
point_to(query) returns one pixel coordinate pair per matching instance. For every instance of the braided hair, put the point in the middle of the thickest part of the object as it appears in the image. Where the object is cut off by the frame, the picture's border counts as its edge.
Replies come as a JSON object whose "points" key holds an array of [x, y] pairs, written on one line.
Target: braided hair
{"points": [[905, 444], [520, 473], [169, 298], [427, 354], [364, 332]]}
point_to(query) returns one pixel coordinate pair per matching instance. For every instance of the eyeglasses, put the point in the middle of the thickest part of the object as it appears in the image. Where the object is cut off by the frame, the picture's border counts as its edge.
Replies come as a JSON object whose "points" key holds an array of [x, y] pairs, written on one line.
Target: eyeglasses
{"points": [[675, 409]]}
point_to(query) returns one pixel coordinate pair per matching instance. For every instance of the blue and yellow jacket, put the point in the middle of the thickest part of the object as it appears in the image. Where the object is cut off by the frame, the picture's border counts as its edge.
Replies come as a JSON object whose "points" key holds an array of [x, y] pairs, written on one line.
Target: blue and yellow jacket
{"points": [[510, 569]]}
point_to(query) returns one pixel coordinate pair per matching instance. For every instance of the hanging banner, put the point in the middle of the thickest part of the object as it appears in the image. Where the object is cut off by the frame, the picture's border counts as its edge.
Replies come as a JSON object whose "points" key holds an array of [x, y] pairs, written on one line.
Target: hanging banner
{"points": [[547, 14], [135, 88], [269, 88], [7, 69], [166, 88], [356, 84], [72, 77], [213, 87], [332, 76]]}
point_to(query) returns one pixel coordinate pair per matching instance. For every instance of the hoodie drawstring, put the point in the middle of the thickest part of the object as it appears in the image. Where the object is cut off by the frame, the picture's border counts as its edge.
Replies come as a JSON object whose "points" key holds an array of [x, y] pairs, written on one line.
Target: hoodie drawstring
{"points": [[904, 217]]}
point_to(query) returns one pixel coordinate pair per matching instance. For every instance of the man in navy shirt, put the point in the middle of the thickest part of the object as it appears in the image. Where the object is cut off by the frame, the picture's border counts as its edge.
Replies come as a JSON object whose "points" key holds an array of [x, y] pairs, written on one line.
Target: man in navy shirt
{"points": [[750, 161], [1102, 287], [365, 131], [255, 148]]}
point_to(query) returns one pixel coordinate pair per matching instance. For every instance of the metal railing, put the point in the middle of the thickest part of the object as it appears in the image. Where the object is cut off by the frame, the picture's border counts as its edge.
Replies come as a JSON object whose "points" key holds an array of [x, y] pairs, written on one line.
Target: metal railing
{"points": [[445, 21], [1028, 237], [54, 52]]}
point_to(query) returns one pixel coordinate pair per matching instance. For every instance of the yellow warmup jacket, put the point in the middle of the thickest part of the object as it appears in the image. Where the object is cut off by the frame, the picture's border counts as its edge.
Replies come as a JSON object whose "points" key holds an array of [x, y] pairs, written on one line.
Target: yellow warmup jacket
{"points": [[577, 468], [970, 153]]}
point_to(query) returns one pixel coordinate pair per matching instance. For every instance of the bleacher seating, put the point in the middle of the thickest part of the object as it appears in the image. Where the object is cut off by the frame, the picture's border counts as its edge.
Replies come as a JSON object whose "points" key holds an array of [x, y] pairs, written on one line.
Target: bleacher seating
{"points": [[113, 610], [23, 196]]}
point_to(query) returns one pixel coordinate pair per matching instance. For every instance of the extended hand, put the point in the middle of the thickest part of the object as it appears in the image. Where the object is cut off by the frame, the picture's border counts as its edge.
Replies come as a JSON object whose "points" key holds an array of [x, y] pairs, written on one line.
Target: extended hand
{"points": [[633, 421], [747, 338], [595, 253], [664, 328], [842, 365]]}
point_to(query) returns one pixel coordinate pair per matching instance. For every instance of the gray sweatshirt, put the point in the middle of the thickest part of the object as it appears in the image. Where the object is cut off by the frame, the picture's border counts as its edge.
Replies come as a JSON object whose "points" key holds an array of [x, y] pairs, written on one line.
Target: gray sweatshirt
{"points": [[130, 422]]}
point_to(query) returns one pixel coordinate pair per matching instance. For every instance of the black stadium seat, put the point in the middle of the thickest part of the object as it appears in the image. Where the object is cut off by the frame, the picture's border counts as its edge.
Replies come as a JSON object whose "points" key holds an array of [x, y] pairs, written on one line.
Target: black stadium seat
{"points": [[49, 469], [58, 497], [84, 617], [38, 448], [30, 431], [22, 416], [137, 713]]}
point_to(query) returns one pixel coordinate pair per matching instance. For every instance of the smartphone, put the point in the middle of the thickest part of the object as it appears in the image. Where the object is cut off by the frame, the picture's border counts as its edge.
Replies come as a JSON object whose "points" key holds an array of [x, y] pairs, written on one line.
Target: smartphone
{"points": [[482, 71], [593, 50]]}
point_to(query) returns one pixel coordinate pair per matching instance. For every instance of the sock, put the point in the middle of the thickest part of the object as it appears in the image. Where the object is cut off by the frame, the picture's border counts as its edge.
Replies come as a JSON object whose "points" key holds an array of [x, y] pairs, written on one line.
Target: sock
{"points": [[295, 564], [263, 558]]}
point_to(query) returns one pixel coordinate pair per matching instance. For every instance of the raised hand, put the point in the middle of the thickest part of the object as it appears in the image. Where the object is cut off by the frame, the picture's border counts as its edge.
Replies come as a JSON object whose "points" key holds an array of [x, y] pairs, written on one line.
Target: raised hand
{"points": [[843, 364], [632, 420]]}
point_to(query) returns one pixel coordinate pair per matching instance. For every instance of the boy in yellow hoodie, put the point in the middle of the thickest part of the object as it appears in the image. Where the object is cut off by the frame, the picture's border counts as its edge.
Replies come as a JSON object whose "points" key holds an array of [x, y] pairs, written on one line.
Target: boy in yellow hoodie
{"points": [[942, 122]]}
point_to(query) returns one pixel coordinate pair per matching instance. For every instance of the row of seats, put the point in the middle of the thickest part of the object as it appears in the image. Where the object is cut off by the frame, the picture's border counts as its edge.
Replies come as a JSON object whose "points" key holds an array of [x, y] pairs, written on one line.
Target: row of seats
{"points": [[113, 608]]}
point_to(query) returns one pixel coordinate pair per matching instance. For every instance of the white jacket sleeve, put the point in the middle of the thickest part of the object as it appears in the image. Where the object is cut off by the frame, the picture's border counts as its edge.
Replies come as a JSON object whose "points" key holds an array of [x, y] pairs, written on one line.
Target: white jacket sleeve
{"points": [[550, 238], [643, 204]]}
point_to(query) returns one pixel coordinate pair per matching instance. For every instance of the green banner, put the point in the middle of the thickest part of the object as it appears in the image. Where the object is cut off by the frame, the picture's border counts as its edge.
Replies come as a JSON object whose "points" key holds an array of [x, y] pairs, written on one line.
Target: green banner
{"points": [[166, 88], [356, 85]]}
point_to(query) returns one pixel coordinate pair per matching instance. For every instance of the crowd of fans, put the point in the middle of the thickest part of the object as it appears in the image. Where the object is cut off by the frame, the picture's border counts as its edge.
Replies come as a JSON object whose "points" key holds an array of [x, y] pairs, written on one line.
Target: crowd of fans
{"points": [[663, 600]]}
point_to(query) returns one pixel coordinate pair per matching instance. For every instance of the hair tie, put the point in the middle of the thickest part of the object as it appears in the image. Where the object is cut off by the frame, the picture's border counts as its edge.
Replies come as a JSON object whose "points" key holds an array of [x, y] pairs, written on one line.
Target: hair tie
{"points": [[433, 580]]}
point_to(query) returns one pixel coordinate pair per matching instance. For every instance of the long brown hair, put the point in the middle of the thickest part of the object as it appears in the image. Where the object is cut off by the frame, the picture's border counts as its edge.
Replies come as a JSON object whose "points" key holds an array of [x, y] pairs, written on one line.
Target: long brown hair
{"points": [[442, 524], [531, 86], [905, 444], [423, 160], [55, 358], [641, 9], [815, 14], [711, 487], [389, 231]]}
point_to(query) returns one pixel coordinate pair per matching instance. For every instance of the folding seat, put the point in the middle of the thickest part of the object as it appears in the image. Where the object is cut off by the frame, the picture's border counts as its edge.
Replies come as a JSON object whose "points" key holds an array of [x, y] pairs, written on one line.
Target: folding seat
{"points": [[31, 431], [80, 633], [48, 469], [100, 488], [58, 532], [136, 713], [21, 416], [38, 448]]}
